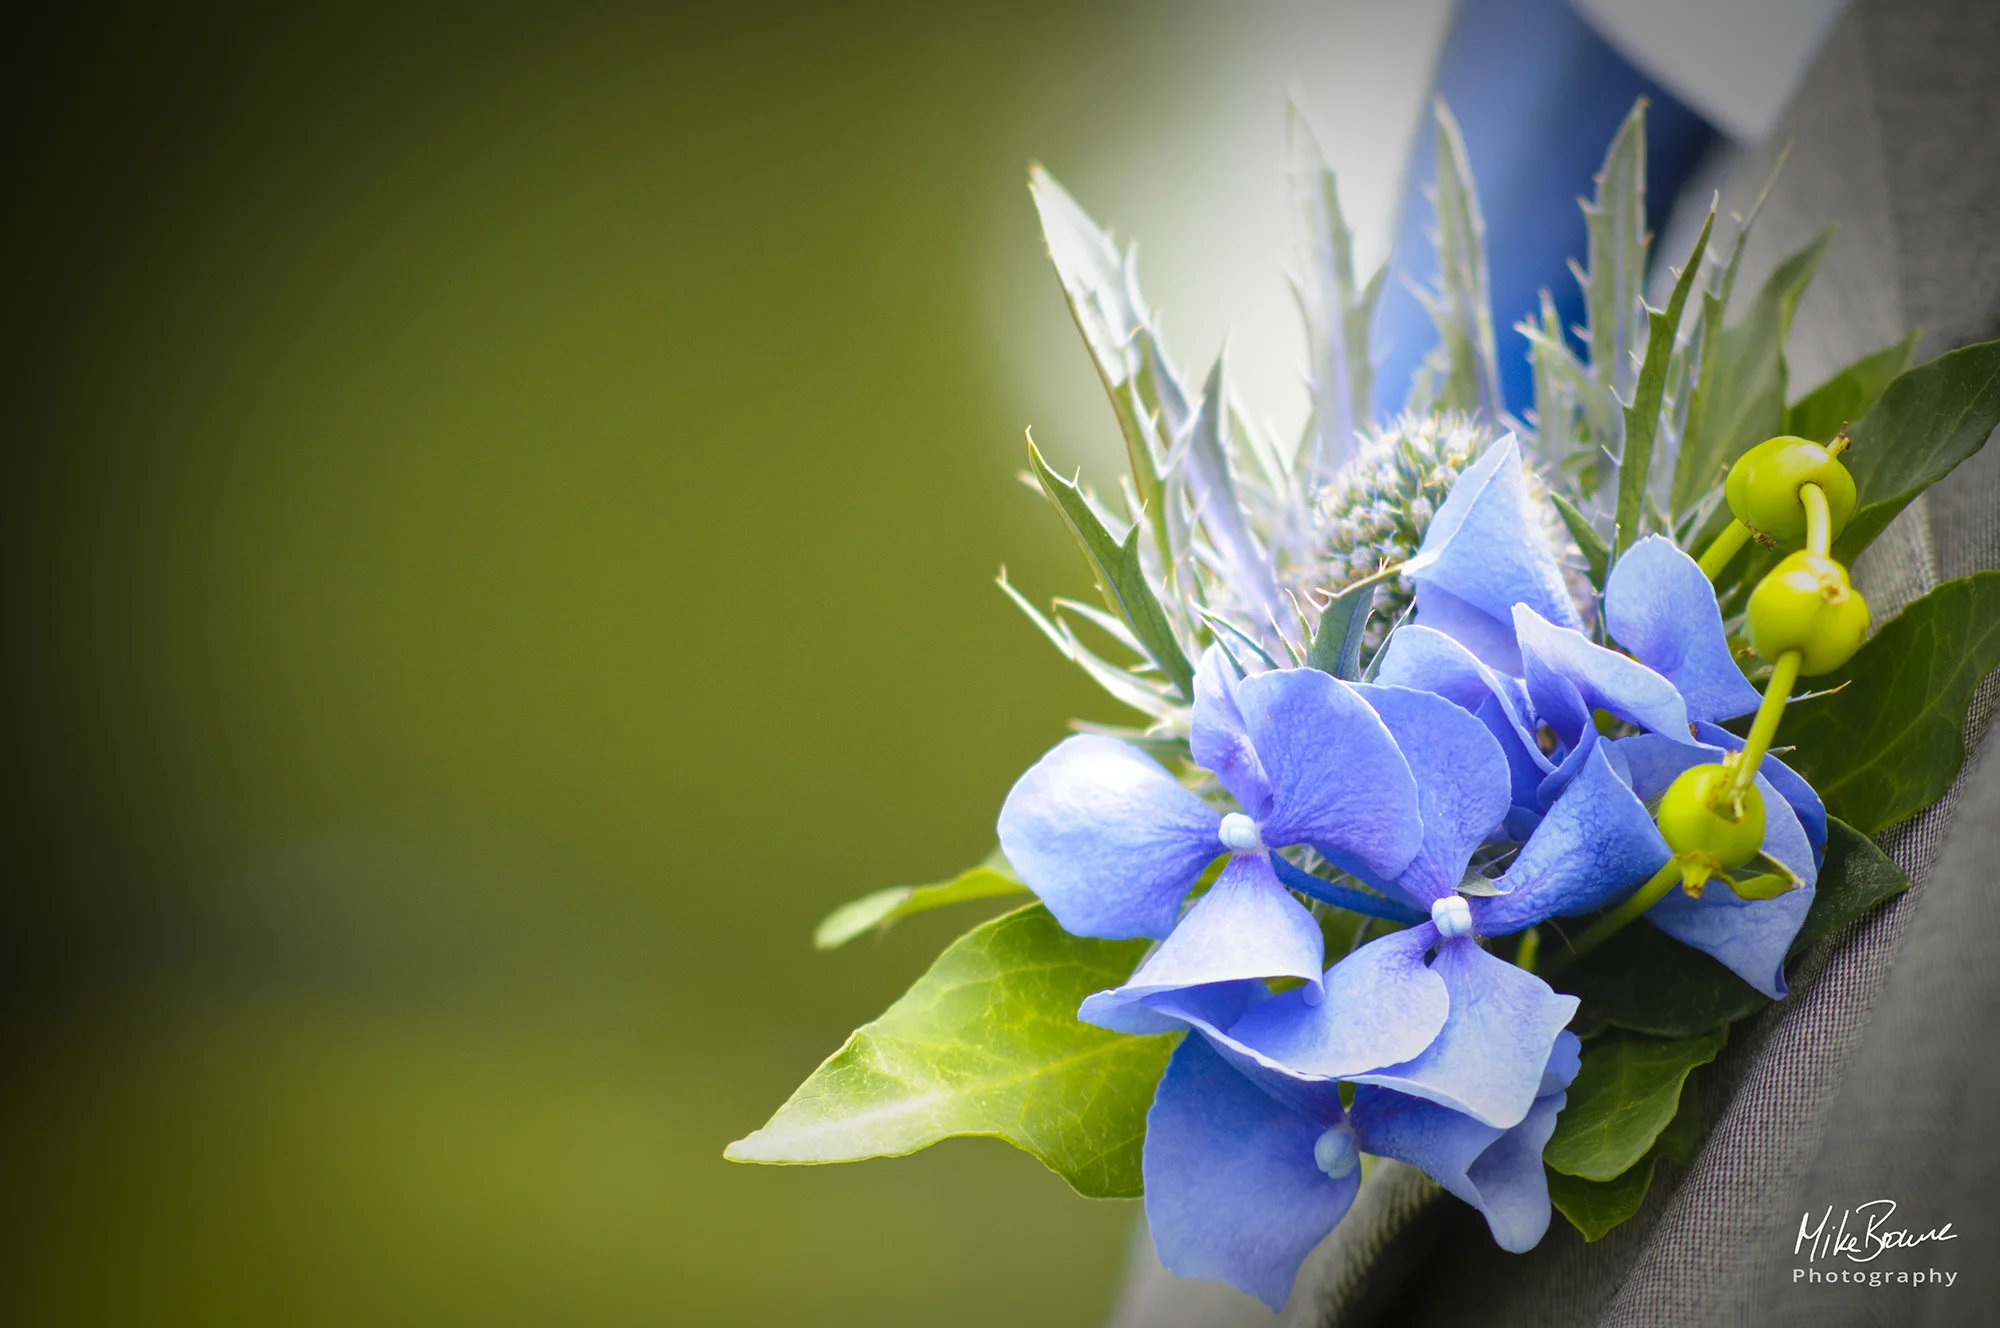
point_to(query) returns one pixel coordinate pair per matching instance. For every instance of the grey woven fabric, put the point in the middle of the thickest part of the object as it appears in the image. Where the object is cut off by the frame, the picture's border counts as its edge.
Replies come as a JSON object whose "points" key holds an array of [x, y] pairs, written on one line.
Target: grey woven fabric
{"points": [[1875, 1079]]}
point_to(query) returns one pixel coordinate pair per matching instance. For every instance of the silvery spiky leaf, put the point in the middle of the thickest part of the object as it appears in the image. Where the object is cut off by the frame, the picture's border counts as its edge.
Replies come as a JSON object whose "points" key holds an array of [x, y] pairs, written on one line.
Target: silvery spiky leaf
{"points": [[1337, 312], [1468, 365], [1616, 222]]}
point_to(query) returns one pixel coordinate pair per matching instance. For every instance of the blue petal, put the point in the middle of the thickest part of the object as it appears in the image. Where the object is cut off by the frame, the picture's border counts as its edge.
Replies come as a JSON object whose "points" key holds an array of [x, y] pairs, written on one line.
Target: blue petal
{"points": [[1596, 845], [1484, 635], [1210, 1010], [1437, 1140], [1557, 780], [1107, 838], [1499, 1172], [1232, 1191], [1246, 926], [1419, 657], [1336, 775], [1558, 702], [1428, 660], [1656, 762], [1462, 783], [1513, 1187], [1215, 1006], [1218, 740], [1526, 766], [1660, 606], [1789, 783], [1603, 679], [1749, 937], [1565, 1060], [1487, 1061], [1382, 1006], [1487, 551]]}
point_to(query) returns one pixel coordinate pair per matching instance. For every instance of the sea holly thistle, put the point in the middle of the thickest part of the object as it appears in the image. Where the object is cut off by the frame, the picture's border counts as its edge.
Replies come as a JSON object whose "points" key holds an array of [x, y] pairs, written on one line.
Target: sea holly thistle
{"points": [[1490, 704]]}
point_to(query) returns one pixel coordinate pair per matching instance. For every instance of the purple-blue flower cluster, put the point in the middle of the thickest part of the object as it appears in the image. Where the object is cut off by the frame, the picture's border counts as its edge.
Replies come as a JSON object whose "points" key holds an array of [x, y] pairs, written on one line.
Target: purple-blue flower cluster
{"points": [[1493, 776]]}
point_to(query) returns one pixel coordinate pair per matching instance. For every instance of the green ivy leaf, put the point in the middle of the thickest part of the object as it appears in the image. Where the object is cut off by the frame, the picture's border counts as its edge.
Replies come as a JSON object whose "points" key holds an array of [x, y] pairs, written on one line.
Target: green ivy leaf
{"points": [[1891, 740], [1928, 420], [1116, 565], [1642, 417], [877, 911], [1647, 982], [1744, 400], [987, 1043], [1850, 394], [1855, 878], [1594, 1207], [1626, 1093]]}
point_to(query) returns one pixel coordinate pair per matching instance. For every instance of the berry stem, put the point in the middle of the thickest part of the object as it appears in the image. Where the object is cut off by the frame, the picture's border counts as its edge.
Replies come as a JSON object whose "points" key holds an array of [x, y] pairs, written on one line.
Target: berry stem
{"points": [[1765, 727], [1647, 895], [1733, 537], [1819, 523]]}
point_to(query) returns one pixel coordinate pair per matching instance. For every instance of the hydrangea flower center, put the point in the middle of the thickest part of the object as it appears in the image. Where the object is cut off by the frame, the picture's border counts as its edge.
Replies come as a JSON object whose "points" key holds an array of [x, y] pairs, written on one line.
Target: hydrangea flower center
{"points": [[1238, 834], [1335, 1153], [1452, 916]]}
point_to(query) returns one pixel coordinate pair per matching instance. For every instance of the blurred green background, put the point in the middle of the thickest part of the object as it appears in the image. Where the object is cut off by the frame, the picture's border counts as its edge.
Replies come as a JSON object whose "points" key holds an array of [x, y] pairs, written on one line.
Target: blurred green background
{"points": [[500, 513]]}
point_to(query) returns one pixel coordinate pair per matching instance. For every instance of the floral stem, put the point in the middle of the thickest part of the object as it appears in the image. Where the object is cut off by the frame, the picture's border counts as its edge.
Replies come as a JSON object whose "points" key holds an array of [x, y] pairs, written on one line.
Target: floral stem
{"points": [[1765, 727], [1647, 895], [1819, 523], [1733, 537], [1529, 947]]}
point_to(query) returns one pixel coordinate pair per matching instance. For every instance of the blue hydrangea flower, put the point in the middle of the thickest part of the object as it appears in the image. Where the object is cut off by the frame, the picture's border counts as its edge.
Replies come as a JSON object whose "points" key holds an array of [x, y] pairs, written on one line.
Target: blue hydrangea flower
{"points": [[1250, 1163], [1486, 556], [1523, 663], [1659, 606], [1112, 842], [1427, 1011], [1421, 657]]}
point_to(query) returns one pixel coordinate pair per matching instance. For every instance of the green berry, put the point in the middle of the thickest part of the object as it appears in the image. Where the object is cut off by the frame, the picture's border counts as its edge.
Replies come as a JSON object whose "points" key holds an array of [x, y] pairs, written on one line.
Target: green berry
{"points": [[1807, 605], [1763, 487], [1703, 817]]}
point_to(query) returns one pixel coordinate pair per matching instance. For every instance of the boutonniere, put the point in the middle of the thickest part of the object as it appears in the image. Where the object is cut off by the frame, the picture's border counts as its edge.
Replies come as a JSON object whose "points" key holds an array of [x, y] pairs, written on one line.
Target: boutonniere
{"points": [[1485, 769]]}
